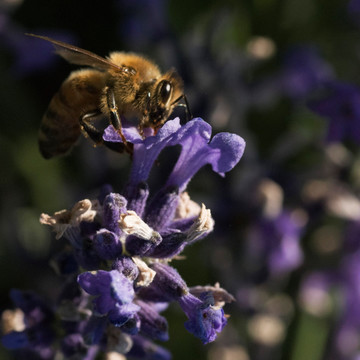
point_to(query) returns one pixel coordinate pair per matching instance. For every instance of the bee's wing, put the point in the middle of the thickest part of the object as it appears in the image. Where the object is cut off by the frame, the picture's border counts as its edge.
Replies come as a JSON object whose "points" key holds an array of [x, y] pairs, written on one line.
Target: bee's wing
{"points": [[78, 56]]}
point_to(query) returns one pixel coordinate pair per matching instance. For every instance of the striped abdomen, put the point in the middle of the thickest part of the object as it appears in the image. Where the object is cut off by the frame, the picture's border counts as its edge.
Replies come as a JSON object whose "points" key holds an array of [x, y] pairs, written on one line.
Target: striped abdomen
{"points": [[78, 95]]}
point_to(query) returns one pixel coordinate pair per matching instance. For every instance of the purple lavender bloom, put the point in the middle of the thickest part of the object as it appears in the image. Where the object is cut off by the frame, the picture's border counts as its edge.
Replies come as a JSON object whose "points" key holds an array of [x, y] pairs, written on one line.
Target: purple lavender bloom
{"points": [[122, 238], [205, 320], [223, 152], [342, 108], [114, 292]]}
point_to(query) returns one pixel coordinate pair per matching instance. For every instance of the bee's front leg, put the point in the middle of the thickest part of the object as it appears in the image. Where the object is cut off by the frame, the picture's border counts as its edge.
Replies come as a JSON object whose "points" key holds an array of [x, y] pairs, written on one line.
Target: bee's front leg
{"points": [[115, 117]]}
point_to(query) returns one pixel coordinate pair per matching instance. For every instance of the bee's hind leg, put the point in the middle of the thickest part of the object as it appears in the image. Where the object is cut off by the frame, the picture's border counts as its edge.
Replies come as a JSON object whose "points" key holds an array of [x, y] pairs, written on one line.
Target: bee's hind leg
{"points": [[115, 118], [89, 130]]}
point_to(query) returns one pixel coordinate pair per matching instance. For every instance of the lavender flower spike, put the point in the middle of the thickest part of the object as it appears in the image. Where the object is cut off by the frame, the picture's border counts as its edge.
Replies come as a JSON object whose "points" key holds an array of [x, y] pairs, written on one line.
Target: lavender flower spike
{"points": [[126, 241]]}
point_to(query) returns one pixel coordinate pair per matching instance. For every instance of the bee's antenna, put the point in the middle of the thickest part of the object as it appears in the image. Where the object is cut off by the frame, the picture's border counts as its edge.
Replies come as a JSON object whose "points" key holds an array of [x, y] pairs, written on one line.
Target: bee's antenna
{"points": [[186, 105]]}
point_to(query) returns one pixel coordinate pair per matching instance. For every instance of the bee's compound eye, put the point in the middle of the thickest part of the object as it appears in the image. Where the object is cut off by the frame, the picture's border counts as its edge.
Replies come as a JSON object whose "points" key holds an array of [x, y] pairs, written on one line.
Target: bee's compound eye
{"points": [[165, 91]]}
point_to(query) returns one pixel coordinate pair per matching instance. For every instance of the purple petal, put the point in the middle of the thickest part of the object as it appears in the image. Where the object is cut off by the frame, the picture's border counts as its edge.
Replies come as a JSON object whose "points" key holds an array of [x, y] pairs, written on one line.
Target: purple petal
{"points": [[223, 152], [205, 320], [89, 283], [119, 315], [146, 152]]}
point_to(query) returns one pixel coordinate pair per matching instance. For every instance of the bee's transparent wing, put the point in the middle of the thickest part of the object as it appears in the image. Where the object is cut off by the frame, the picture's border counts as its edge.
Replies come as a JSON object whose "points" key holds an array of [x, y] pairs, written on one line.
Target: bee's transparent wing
{"points": [[78, 56]]}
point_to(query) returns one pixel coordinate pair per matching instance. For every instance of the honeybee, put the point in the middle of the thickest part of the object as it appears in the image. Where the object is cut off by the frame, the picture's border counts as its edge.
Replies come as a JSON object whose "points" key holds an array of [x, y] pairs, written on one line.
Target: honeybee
{"points": [[123, 84]]}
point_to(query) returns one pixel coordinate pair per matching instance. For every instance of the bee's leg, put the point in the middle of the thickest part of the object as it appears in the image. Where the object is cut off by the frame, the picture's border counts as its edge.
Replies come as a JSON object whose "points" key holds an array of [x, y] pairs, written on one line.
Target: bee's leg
{"points": [[89, 130], [145, 116], [188, 113], [115, 117]]}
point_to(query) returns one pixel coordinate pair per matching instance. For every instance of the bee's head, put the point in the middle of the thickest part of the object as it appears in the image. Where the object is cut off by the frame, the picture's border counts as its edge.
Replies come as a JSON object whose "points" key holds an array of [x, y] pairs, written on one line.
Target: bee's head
{"points": [[167, 91]]}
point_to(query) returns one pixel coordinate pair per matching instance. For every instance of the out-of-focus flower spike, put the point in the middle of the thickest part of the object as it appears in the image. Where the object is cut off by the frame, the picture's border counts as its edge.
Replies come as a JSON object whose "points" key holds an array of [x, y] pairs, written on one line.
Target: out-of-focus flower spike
{"points": [[72, 344], [117, 341]]}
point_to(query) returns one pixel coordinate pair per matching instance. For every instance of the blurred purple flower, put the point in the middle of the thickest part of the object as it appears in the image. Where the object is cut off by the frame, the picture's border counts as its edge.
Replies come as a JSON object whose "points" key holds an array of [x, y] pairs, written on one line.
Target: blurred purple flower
{"points": [[276, 242], [353, 9], [144, 22], [26, 49], [38, 334], [303, 72], [342, 108], [317, 296]]}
